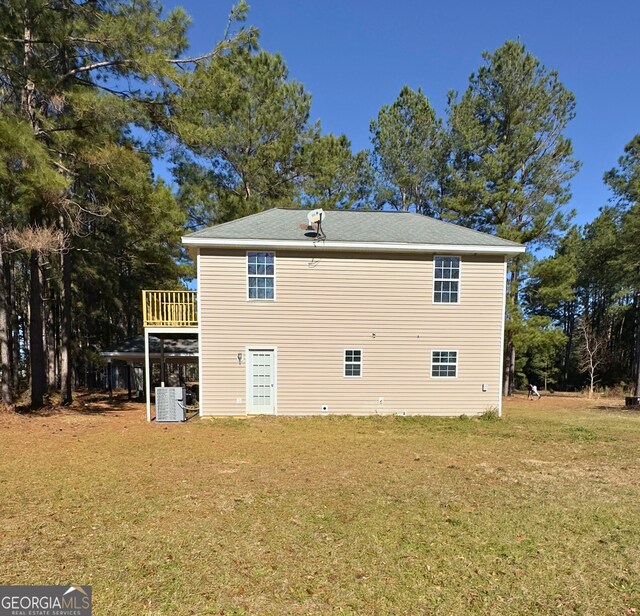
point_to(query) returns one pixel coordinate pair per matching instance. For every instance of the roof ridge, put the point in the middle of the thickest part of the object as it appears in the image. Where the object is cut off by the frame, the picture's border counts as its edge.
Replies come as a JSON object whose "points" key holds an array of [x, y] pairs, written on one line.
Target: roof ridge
{"points": [[347, 210], [422, 216]]}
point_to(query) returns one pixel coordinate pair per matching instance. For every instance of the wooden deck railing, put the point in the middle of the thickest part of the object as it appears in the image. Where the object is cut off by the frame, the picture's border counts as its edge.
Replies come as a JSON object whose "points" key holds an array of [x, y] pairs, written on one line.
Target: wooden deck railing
{"points": [[169, 308]]}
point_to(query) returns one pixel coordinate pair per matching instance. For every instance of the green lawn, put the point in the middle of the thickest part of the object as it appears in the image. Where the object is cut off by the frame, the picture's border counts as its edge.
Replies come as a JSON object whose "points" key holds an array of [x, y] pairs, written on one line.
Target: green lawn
{"points": [[538, 513]]}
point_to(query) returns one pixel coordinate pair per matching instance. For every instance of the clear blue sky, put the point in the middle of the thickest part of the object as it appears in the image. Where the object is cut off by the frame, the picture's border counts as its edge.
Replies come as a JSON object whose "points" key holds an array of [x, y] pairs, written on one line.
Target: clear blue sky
{"points": [[355, 55]]}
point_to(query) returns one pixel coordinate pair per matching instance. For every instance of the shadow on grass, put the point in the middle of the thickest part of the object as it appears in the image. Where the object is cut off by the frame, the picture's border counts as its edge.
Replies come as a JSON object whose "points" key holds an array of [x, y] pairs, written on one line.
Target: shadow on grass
{"points": [[84, 403], [609, 408]]}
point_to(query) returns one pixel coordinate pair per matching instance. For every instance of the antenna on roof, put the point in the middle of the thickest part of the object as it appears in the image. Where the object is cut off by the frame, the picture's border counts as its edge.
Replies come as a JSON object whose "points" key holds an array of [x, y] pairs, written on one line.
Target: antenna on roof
{"points": [[314, 224]]}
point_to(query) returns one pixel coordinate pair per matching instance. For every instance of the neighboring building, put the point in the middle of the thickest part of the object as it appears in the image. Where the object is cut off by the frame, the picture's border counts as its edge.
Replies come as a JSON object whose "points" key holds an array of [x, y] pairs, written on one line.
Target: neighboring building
{"points": [[388, 312]]}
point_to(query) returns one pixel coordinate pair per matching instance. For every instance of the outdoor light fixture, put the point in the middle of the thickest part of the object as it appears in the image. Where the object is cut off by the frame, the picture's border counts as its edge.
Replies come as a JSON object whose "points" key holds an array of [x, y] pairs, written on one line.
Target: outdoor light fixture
{"points": [[240, 357]]}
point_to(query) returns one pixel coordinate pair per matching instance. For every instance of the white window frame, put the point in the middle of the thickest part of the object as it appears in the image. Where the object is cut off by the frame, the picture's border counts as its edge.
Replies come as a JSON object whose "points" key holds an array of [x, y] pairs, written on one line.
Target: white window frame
{"points": [[440, 363], [272, 276], [345, 362], [435, 280]]}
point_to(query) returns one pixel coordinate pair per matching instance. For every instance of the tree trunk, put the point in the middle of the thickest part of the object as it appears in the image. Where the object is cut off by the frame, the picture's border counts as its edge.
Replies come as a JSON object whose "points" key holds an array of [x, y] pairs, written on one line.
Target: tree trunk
{"points": [[65, 333], [512, 304], [36, 338], [569, 327], [26, 95], [636, 349], [6, 396], [13, 310], [506, 383], [36, 343], [50, 340], [512, 368]]}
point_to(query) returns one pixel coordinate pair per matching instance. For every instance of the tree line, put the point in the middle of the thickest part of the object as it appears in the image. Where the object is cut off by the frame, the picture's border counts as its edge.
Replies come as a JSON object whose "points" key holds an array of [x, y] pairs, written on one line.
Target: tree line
{"points": [[91, 93]]}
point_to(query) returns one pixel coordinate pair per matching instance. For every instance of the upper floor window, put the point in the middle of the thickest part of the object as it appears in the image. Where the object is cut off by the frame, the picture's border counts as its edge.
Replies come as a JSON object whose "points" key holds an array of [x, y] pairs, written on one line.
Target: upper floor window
{"points": [[446, 280], [261, 279]]}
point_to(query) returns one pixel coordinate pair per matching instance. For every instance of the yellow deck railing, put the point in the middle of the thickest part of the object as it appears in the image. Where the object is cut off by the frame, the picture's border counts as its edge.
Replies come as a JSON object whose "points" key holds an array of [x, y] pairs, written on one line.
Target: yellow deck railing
{"points": [[169, 308]]}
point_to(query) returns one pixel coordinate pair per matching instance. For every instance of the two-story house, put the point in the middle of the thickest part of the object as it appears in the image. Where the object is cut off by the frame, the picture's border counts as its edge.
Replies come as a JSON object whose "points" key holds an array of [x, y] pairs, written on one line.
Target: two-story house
{"points": [[379, 313]]}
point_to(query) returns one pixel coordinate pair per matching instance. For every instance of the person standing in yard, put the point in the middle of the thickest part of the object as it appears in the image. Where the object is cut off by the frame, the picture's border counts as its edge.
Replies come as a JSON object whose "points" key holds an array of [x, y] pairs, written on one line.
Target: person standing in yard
{"points": [[533, 392]]}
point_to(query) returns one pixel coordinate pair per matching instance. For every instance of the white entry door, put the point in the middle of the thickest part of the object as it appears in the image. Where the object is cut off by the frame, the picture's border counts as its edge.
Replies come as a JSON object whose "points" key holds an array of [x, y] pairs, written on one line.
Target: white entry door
{"points": [[261, 381]]}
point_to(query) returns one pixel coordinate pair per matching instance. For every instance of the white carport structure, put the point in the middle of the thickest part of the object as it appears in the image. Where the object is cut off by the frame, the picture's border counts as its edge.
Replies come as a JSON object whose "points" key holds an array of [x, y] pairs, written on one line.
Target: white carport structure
{"points": [[155, 347]]}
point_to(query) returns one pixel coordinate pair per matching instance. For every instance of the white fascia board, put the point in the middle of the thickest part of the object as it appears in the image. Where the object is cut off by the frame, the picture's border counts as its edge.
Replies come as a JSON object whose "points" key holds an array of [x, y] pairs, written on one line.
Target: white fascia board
{"points": [[204, 242]]}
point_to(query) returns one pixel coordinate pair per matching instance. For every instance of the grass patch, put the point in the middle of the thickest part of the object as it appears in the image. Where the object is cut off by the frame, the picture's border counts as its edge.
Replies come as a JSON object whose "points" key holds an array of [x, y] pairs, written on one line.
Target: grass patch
{"points": [[491, 414], [580, 434], [533, 514]]}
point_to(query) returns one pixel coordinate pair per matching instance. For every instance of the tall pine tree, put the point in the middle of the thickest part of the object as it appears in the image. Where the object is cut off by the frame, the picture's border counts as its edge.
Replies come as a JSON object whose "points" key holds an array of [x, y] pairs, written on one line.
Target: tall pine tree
{"points": [[249, 143], [409, 151], [65, 67], [510, 163], [624, 181]]}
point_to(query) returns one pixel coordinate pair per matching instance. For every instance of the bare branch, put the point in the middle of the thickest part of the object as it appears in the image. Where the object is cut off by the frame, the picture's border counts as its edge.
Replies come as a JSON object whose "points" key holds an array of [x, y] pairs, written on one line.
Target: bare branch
{"points": [[593, 351], [205, 56], [91, 67], [40, 239]]}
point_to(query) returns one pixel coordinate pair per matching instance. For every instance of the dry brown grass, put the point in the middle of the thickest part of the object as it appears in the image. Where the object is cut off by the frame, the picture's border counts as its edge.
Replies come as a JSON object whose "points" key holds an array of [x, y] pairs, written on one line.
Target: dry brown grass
{"points": [[534, 514]]}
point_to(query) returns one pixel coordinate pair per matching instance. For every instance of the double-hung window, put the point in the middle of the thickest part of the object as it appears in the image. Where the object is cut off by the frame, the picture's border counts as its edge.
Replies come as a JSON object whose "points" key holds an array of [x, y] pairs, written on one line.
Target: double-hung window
{"points": [[261, 279], [444, 364], [446, 280], [353, 362]]}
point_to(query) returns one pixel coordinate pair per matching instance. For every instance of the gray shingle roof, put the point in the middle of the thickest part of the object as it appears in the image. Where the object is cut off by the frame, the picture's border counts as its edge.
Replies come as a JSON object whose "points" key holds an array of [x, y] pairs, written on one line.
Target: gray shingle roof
{"points": [[352, 226], [135, 347]]}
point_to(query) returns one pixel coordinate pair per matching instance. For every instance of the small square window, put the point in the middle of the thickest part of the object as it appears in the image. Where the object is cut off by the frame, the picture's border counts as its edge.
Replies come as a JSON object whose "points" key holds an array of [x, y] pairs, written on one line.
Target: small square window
{"points": [[444, 364], [353, 362]]}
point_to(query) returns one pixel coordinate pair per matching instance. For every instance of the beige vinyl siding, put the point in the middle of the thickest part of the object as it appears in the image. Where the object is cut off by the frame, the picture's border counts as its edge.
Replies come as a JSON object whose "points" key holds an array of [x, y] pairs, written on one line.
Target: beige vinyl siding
{"points": [[329, 302]]}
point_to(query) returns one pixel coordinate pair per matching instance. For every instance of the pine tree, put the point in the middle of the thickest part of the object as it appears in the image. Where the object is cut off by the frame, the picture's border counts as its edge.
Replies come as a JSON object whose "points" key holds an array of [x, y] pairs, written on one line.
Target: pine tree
{"points": [[25, 177], [409, 151], [510, 163], [335, 178], [550, 302], [624, 181], [249, 144], [68, 70]]}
